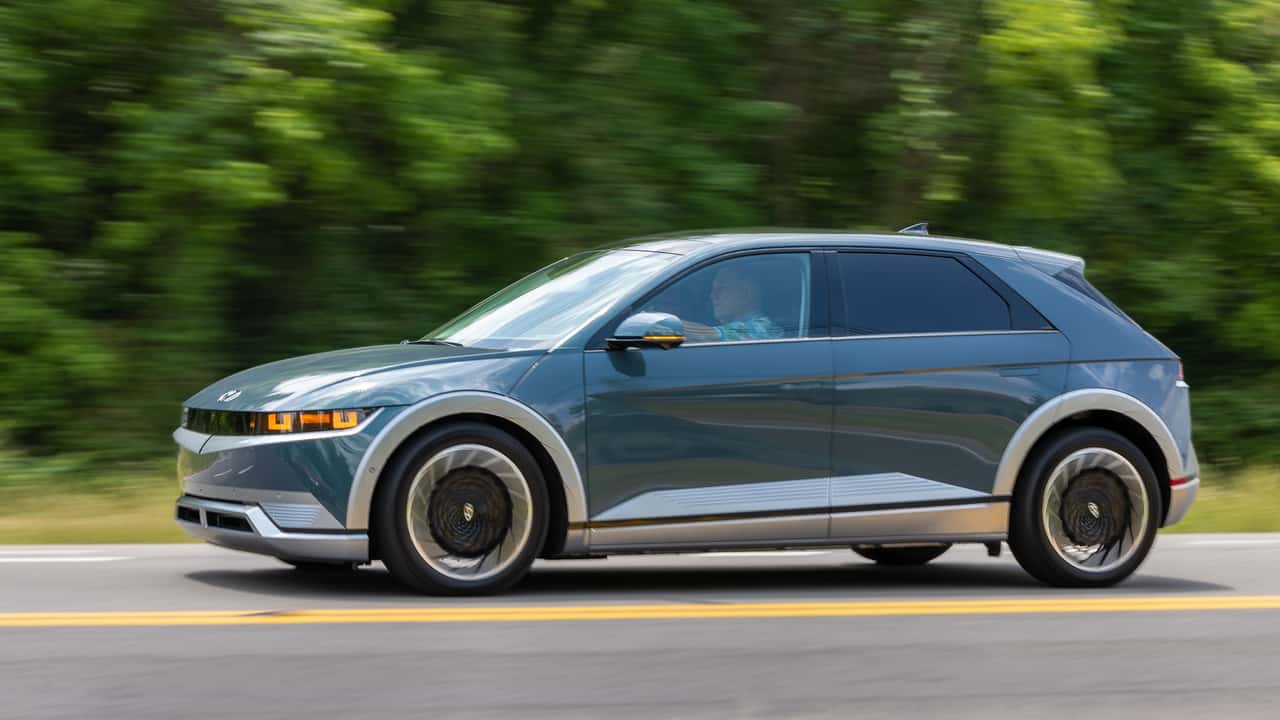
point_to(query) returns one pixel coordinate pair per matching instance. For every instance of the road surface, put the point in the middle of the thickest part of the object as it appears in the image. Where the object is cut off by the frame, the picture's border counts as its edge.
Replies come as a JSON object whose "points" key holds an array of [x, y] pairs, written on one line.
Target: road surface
{"points": [[192, 631]]}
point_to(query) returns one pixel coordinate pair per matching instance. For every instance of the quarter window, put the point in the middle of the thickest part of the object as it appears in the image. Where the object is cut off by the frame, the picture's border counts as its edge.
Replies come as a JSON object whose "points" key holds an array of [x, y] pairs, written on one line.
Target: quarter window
{"points": [[754, 297], [891, 293]]}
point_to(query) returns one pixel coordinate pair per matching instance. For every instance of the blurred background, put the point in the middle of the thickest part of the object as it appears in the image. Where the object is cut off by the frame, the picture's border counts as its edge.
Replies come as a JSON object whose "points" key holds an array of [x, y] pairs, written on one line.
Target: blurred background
{"points": [[191, 187]]}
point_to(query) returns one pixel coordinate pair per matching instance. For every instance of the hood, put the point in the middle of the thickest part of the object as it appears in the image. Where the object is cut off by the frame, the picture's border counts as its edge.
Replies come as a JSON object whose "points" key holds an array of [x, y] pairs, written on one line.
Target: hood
{"points": [[359, 377]]}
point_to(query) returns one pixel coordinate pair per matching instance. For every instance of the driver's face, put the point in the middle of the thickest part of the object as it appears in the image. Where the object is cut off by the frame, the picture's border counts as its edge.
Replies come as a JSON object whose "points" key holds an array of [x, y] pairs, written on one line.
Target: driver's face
{"points": [[733, 297]]}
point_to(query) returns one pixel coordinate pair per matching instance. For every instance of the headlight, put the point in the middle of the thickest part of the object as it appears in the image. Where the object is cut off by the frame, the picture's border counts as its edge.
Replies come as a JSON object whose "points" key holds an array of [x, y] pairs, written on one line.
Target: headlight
{"points": [[221, 422]]}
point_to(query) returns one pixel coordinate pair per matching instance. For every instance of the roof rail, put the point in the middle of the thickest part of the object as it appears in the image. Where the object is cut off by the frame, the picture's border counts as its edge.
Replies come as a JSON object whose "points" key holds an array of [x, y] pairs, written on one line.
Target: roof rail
{"points": [[917, 229]]}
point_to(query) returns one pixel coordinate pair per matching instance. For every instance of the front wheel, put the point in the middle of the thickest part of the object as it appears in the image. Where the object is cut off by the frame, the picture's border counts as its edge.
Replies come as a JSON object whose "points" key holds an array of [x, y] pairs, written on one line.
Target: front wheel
{"points": [[1085, 510], [901, 554], [464, 511]]}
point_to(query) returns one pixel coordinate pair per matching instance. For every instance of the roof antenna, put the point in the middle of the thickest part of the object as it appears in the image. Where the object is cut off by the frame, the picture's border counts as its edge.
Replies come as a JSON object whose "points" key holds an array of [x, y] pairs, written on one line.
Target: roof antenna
{"points": [[917, 229]]}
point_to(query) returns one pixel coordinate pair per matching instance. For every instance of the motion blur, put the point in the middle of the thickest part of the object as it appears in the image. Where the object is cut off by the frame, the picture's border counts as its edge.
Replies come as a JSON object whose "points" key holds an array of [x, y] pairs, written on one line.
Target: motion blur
{"points": [[193, 188]]}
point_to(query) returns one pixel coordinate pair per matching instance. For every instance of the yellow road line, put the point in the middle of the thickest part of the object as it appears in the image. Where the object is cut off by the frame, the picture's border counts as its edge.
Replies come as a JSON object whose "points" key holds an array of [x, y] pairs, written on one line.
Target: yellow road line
{"points": [[667, 611]]}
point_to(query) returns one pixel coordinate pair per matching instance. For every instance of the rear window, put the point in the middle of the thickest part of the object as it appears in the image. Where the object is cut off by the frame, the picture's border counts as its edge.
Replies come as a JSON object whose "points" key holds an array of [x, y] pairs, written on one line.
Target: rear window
{"points": [[1075, 280]]}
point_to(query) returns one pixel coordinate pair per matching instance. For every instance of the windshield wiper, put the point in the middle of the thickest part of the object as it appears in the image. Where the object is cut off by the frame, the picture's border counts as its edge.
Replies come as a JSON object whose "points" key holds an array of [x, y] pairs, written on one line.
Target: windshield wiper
{"points": [[431, 341]]}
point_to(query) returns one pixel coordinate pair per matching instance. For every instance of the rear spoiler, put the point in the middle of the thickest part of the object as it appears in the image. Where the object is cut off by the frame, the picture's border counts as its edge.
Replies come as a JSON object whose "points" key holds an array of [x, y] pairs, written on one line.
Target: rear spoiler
{"points": [[1050, 262]]}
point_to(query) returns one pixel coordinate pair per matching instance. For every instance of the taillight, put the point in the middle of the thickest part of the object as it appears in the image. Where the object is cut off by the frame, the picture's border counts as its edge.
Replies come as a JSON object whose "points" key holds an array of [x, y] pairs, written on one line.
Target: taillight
{"points": [[1180, 376]]}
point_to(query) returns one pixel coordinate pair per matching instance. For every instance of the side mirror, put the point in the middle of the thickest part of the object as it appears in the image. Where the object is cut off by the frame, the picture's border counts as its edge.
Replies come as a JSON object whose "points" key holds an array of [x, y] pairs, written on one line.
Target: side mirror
{"points": [[650, 329]]}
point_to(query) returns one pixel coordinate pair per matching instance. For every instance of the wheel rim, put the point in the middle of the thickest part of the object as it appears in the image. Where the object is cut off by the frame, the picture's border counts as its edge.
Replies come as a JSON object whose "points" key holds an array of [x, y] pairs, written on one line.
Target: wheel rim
{"points": [[1095, 510], [469, 513]]}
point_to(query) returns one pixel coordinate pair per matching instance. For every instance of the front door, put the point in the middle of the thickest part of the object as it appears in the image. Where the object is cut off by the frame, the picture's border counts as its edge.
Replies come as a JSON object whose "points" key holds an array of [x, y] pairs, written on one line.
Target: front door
{"points": [[937, 364], [725, 439]]}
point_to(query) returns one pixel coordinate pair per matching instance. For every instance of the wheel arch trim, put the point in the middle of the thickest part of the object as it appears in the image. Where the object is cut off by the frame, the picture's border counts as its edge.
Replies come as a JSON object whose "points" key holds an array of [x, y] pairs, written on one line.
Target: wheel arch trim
{"points": [[470, 402], [1048, 415]]}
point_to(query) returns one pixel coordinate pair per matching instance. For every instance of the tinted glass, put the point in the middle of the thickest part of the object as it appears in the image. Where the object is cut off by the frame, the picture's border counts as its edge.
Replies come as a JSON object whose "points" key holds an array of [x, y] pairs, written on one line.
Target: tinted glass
{"points": [[1073, 279], [888, 293], [755, 297], [544, 306]]}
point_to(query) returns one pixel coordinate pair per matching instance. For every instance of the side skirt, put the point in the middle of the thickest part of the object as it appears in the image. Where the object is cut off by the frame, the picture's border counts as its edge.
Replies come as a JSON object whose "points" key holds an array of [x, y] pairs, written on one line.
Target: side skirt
{"points": [[971, 522]]}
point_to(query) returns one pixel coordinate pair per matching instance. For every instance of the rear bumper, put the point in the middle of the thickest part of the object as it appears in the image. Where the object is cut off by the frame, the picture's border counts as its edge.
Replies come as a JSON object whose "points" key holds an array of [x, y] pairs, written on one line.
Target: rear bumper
{"points": [[1180, 499], [248, 527], [1183, 493]]}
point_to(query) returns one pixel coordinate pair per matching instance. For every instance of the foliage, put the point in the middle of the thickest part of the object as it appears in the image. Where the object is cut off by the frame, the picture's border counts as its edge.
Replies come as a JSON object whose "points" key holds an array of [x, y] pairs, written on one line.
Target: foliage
{"points": [[1247, 502], [193, 187]]}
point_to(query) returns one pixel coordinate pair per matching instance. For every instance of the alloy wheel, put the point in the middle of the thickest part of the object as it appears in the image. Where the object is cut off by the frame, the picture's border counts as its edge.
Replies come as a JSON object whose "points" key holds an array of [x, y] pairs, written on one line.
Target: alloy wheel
{"points": [[469, 512], [1095, 509]]}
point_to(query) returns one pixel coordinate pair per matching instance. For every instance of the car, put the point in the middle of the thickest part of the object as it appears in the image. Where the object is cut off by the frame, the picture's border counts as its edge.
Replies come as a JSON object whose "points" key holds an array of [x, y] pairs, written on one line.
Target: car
{"points": [[892, 393]]}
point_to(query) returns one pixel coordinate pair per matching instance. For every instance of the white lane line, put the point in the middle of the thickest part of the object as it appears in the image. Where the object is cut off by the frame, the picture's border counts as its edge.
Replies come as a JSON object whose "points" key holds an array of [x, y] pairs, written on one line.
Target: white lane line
{"points": [[65, 559], [767, 553], [1228, 543], [47, 551]]}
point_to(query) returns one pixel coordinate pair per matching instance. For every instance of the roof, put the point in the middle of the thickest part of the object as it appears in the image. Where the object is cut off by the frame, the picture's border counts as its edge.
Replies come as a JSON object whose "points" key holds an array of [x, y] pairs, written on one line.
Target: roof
{"points": [[718, 241]]}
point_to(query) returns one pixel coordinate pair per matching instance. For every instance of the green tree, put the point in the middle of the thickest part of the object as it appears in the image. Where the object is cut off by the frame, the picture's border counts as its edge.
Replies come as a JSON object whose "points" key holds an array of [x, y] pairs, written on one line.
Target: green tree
{"points": [[191, 188]]}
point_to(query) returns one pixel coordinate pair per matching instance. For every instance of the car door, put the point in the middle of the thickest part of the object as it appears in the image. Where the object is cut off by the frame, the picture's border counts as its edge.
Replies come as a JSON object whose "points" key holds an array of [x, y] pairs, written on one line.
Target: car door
{"points": [[723, 440], [937, 363]]}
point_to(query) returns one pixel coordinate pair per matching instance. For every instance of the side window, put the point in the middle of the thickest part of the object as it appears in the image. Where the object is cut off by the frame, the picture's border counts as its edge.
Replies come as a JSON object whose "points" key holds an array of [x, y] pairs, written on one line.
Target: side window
{"points": [[888, 293], [754, 297]]}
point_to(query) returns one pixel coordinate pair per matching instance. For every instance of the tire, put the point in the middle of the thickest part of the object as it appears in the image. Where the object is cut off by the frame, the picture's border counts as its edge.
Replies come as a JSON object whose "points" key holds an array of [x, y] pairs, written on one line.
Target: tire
{"points": [[464, 511], [1085, 510], [902, 555]]}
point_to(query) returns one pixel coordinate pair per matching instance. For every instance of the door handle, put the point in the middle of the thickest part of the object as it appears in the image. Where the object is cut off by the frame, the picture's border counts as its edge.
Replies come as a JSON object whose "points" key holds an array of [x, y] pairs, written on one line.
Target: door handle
{"points": [[1020, 371]]}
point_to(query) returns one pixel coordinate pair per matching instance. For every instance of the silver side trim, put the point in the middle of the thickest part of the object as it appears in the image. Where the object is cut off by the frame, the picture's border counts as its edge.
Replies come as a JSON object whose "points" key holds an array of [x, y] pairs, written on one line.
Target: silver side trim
{"points": [[983, 522], [477, 403], [838, 338], [786, 495], [268, 539], [723, 500], [894, 487], [978, 522], [1068, 404], [958, 333], [793, 529], [722, 343]]}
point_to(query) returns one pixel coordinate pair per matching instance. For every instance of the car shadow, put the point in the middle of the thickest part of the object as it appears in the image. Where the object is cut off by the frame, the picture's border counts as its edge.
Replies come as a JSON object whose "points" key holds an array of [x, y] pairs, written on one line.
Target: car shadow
{"points": [[596, 579], [853, 577]]}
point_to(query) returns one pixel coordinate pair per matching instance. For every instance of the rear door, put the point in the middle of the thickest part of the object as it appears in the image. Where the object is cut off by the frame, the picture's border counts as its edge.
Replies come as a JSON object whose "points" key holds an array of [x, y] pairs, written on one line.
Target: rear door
{"points": [[937, 363]]}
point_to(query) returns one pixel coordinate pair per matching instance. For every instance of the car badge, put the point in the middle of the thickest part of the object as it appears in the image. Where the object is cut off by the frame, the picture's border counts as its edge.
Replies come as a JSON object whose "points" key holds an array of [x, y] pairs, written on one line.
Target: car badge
{"points": [[468, 512], [228, 396], [1095, 511]]}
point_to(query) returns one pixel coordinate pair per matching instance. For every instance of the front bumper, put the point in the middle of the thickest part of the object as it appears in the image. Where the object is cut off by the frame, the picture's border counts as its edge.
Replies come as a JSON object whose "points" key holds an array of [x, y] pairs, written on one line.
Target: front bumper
{"points": [[248, 527]]}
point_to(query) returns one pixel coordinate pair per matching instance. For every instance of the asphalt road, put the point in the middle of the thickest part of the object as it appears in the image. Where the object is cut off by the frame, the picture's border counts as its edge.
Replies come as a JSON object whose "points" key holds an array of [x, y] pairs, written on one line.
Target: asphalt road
{"points": [[191, 631]]}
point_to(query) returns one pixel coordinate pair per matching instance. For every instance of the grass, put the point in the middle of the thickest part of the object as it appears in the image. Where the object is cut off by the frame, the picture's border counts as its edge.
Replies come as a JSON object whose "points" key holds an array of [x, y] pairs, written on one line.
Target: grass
{"points": [[136, 506], [1246, 502], [133, 513], [69, 499]]}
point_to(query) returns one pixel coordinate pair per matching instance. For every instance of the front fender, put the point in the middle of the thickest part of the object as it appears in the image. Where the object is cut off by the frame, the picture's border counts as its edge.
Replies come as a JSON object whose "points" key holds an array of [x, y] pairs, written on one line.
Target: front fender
{"points": [[470, 402]]}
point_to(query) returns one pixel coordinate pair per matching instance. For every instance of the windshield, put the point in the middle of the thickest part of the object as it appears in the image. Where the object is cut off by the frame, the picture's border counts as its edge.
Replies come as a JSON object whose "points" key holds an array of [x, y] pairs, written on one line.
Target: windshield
{"points": [[543, 307]]}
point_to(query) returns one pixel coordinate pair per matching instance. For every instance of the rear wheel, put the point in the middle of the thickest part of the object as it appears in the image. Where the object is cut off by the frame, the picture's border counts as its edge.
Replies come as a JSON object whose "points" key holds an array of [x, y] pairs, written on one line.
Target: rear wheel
{"points": [[1085, 511], [464, 511], [901, 554]]}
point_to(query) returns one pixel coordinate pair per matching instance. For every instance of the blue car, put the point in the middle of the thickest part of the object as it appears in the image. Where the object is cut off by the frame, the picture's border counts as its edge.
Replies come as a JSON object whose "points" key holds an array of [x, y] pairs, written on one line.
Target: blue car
{"points": [[892, 393]]}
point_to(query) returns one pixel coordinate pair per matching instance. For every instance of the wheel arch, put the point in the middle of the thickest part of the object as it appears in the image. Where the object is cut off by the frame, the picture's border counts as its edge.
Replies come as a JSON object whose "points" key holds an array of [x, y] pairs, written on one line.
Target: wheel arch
{"points": [[566, 533], [1096, 407]]}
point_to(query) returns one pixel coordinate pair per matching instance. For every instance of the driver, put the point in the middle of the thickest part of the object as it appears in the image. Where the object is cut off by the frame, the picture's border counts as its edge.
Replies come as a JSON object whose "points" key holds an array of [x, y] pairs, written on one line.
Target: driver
{"points": [[735, 300]]}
